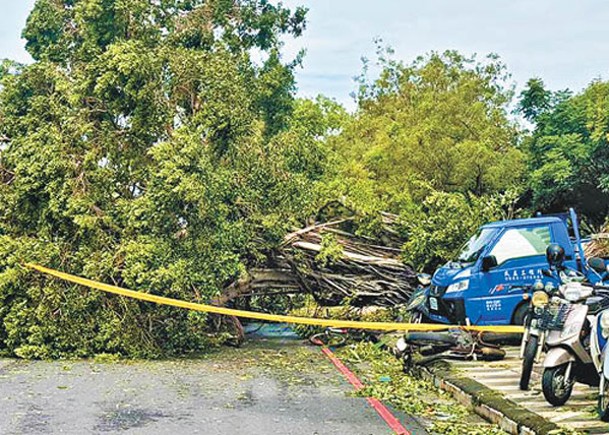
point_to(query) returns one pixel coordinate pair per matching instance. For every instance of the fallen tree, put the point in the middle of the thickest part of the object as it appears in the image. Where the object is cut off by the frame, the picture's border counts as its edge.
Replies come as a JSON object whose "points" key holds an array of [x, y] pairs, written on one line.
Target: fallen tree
{"points": [[334, 265]]}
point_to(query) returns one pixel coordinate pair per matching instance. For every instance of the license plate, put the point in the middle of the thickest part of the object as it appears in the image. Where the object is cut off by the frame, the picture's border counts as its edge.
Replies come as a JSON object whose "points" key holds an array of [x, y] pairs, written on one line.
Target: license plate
{"points": [[433, 304]]}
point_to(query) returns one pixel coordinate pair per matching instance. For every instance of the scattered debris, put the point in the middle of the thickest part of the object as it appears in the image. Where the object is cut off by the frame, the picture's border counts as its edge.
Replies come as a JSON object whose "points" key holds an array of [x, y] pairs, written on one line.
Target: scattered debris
{"points": [[333, 264], [599, 244]]}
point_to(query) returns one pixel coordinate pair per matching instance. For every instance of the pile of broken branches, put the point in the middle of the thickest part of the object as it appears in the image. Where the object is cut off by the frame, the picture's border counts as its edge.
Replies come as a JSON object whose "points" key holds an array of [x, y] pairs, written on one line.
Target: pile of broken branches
{"points": [[599, 244], [363, 273]]}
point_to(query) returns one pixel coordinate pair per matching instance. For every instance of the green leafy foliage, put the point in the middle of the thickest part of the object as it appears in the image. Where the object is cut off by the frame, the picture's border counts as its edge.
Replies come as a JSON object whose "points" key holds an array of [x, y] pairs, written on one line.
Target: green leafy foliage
{"points": [[384, 378], [433, 142], [439, 123], [437, 229], [331, 251], [144, 148], [568, 151]]}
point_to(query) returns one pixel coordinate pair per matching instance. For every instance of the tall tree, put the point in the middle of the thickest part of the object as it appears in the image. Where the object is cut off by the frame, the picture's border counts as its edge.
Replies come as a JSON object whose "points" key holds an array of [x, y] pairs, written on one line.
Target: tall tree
{"points": [[142, 147], [440, 123], [569, 153], [534, 99]]}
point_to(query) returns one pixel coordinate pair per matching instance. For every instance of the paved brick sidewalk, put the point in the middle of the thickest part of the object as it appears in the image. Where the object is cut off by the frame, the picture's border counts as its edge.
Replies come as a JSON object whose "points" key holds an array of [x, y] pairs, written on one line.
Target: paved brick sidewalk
{"points": [[578, 413]]}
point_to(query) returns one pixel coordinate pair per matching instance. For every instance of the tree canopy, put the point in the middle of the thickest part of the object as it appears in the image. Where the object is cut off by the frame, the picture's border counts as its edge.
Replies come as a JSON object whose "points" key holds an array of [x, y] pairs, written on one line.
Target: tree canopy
{"points": [[568, 152], [437, 129], [439, 123], [146, 147]]}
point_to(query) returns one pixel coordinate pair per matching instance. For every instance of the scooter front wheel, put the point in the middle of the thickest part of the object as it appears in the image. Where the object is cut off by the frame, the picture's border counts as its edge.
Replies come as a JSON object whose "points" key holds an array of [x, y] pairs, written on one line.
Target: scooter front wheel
{"points": [[603, 399], [556, 388], [530, 350]]}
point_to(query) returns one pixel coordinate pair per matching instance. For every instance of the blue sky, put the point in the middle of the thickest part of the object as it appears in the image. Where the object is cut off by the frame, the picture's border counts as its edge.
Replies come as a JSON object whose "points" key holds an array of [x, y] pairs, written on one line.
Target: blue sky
{"points": [[12, 21], [565, 42]]}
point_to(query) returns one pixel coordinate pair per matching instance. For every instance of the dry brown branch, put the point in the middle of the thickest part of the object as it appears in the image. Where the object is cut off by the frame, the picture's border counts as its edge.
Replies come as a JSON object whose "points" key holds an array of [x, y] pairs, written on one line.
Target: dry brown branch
{"points": [[366, 273]]}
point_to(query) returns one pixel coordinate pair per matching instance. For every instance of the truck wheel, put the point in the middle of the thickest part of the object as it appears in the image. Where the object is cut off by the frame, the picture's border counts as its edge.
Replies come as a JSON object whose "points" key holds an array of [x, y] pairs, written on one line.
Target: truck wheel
{"points": [[556, 389], [520, 314], [527, 362], [603, 401]]}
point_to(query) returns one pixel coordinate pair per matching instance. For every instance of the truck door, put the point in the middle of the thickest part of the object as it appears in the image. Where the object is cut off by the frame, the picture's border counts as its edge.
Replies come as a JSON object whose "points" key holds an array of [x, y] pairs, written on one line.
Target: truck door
{"points": [[520, 254]]}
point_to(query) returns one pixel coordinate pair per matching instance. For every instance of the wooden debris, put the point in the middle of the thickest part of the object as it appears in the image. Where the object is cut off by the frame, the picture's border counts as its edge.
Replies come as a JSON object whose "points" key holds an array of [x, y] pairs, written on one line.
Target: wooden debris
{"points": [[599, 245], [364, 273]]}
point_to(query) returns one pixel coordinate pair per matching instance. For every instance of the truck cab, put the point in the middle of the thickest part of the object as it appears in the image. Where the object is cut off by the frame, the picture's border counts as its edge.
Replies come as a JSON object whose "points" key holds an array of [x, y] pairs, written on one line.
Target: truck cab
{"points": [[485, 284]]}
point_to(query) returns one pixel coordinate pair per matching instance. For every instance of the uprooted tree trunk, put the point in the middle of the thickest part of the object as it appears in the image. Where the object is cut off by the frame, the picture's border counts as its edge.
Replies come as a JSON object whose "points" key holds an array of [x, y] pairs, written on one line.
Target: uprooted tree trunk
{"points": [[360, 271]]}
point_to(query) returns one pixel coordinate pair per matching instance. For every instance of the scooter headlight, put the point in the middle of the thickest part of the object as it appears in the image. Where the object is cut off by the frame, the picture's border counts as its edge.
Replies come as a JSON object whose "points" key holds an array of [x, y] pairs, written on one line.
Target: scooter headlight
{"points": [[540, 299], [417, 300], [605, 324], [572, 291], [401, 345], [458, 286]]}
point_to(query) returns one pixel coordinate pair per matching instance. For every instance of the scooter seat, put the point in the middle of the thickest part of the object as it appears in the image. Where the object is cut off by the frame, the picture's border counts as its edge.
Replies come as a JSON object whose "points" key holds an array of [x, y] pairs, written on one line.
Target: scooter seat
{"points": [[596, 304]]}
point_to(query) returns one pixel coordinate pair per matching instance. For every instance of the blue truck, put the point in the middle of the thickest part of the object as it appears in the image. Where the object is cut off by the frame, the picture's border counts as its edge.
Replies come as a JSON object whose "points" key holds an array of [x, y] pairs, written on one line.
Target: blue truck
{"points": [[484, 284]]}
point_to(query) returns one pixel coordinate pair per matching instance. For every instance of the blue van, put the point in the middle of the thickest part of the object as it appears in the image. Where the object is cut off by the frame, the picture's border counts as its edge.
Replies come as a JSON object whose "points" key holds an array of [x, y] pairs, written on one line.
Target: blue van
{"points": [[484, 284]]}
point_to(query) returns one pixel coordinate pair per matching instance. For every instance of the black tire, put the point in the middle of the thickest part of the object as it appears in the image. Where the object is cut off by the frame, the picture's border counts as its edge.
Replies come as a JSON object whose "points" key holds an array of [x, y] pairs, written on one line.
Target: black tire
{"points": [[423, 338], [603, 402], [520, 314], [530, 350], [556, 390], [501, 338]]}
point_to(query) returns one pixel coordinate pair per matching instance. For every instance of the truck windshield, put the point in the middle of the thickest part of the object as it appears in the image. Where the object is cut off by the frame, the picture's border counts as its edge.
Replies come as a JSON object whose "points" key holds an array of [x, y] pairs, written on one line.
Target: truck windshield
{"points": [[473, 248]]}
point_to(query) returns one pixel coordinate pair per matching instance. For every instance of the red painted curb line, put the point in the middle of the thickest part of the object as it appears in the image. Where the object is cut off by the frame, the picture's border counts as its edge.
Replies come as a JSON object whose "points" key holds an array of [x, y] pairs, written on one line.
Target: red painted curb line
{"points": [[378, 406]]}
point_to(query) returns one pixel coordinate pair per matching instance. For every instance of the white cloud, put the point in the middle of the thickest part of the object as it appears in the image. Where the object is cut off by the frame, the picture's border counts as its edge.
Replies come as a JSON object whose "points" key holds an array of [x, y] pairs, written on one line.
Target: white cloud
{"points": [[563, 42]]}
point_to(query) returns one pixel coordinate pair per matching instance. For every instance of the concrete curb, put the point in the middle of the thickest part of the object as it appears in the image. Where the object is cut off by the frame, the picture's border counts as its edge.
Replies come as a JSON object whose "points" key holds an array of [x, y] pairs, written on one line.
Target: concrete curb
{"points": [[489, 404]]}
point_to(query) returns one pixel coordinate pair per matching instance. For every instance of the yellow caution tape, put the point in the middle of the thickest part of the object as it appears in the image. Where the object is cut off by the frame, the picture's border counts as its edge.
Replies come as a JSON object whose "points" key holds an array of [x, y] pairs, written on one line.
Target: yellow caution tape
{"points": [[351, 324]]}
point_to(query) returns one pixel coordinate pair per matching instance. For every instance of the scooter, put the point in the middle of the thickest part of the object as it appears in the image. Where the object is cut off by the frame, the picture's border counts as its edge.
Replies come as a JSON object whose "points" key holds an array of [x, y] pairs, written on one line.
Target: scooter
{"points": [[417, 306], [599, 351], [569, 357], [452, 344], [574, 346], [600, 337], [535, 329], [546, 309]]}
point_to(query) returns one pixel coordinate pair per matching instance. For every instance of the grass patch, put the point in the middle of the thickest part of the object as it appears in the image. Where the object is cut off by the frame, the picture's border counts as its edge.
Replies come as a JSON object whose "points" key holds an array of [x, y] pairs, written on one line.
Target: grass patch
{"points": [[384, 379]]}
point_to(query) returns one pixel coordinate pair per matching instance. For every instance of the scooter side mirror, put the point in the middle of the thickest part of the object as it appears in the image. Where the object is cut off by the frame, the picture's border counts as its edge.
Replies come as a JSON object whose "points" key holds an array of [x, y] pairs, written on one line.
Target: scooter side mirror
{"points": [[489, 262], [547, 272], [555, 255]]}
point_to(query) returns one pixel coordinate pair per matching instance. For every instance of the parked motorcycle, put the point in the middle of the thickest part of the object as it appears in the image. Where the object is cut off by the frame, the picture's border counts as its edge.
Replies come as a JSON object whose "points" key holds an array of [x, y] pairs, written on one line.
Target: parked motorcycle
{"points": [[452, 344], [599, 305], [546, 310], [572, 354], [417, 306], [599, 350], [536, 326]]}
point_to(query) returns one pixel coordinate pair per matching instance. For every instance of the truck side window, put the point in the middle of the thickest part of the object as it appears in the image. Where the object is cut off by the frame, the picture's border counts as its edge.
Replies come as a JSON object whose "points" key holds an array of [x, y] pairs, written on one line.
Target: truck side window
{"points": [[521, 242]]}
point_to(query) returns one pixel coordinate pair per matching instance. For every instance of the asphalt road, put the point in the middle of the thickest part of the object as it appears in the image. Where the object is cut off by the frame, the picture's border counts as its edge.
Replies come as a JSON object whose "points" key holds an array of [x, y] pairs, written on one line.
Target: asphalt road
{"points": [[263, 389]]}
